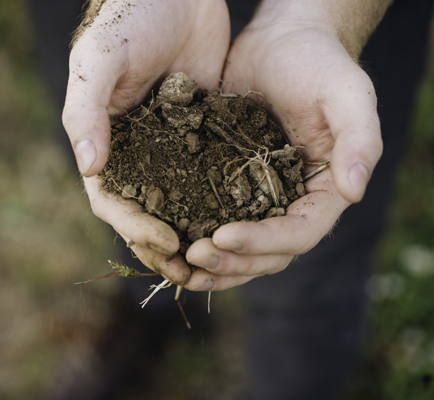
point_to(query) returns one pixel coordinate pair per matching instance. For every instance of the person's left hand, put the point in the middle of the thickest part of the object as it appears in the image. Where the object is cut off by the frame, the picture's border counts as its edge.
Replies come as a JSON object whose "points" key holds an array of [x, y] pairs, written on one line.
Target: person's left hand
{"points": [[325, 103], [126, 47]]}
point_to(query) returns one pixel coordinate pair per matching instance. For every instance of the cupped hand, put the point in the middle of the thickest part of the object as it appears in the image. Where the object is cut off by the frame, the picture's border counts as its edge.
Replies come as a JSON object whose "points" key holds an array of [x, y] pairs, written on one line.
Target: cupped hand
{"points": [[127, 48], [326, 105]]}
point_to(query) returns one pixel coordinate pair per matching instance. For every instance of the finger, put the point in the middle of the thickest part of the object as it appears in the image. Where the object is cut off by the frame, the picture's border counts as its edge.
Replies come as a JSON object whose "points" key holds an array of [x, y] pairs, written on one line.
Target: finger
{"points": [[104, 80], [94, 73], [351, 113], [204, 254], [174, 268], [128, 218], [306, 222], [202, 281]]}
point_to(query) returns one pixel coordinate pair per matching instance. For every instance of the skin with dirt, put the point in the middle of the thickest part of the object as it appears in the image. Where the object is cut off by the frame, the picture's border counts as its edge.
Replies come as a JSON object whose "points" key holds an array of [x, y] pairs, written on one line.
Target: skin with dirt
{"points": [[199, 160]]}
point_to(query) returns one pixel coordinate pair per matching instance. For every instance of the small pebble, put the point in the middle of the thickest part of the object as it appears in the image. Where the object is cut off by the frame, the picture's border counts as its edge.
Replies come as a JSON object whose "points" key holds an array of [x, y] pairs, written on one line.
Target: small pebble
{"points": [[183, 224], [175, 195], [275, 212], [128, 192]]}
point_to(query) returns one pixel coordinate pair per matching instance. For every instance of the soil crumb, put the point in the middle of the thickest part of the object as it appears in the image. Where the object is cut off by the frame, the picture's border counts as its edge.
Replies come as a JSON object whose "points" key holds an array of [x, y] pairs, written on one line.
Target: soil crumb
{"points": [[198, 160]]}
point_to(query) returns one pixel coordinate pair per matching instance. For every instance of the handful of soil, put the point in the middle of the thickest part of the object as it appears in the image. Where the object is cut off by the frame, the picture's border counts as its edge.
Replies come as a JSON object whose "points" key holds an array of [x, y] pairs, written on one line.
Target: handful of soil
{"points": [[198, 160]]}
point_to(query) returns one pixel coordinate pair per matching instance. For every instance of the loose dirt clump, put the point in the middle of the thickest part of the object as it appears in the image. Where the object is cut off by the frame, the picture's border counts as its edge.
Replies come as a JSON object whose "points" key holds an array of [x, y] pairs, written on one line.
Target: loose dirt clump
{"points": [[198, 160]]}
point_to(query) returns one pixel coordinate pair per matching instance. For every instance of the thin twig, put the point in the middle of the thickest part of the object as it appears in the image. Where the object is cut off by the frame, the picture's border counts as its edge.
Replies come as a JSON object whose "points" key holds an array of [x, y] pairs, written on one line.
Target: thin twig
{"points": [[324, 166], [222, 134], [183, 315], [209, 302], [215, 192], [112, 274], [313, 163], [143, 168], [245, 137]]}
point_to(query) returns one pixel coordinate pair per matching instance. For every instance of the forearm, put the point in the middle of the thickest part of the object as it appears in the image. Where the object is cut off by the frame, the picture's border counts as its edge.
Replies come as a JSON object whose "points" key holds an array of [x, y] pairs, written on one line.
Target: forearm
{"points": [[351, 21], [355, 21]]}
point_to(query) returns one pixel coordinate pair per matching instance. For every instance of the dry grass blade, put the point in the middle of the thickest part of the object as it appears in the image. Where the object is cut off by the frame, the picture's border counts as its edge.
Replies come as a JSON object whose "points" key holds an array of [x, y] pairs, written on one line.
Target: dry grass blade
{"points": [[263, 160]]}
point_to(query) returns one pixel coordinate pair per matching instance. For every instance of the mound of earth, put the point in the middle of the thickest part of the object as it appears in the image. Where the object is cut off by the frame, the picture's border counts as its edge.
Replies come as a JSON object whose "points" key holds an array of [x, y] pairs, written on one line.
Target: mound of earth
{"points": [[198, 160]]}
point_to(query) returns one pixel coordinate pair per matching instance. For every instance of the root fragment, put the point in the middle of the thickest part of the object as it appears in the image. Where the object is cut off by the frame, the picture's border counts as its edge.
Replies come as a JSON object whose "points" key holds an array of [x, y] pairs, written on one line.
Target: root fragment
{"points": [[273, 192], [163, 285]]}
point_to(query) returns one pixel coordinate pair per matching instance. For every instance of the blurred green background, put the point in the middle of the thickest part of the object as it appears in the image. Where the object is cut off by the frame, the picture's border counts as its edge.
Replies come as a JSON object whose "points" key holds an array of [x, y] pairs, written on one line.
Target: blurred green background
{"points": [[49, 239]]}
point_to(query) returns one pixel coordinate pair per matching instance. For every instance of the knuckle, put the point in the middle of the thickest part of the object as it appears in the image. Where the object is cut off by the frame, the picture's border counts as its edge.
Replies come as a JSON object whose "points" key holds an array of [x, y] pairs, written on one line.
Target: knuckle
{"points": [[225, 265]]}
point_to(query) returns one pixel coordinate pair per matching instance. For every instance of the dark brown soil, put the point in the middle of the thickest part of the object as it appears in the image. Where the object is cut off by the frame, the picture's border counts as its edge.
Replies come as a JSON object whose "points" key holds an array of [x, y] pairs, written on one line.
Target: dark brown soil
{"points": [[199, 160]]}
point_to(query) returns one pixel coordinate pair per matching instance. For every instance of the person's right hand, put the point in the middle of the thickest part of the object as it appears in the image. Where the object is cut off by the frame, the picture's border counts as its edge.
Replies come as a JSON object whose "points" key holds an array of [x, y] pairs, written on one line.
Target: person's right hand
{"points": [[125, 50], [326, 105]]}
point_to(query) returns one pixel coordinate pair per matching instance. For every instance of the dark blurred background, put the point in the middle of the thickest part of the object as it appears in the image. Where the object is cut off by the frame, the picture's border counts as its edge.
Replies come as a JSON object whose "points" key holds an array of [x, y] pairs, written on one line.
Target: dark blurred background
{"points": [[50, 239]]}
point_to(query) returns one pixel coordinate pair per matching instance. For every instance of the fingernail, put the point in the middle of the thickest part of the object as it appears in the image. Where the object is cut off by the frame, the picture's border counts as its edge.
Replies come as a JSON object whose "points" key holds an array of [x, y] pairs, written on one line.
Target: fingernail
{"points": [[205, 286], [210, 262], [358, 177], [85, 153], [159, 249], [231, 246]]}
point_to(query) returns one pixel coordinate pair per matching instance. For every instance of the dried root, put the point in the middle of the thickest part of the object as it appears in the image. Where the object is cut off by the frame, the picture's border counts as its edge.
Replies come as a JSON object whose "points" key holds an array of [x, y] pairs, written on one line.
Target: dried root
{"points": [[163, 285]]}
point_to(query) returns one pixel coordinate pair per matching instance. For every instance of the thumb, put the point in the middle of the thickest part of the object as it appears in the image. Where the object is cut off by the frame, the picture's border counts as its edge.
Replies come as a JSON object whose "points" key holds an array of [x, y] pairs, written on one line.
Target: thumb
{"points": [[92, 80], [353, 120]]}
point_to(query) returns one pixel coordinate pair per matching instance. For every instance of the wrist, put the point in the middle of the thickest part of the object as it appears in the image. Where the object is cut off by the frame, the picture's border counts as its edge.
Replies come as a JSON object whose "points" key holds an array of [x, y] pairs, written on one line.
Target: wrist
{"points": [[351, 22], [290, 13]]}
